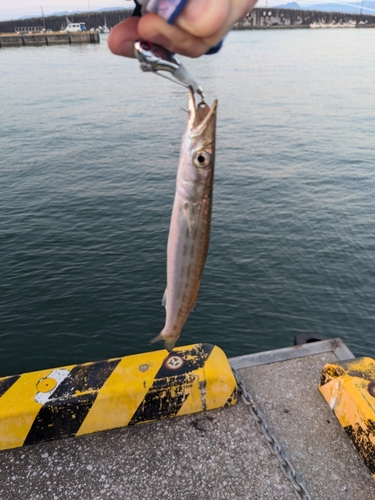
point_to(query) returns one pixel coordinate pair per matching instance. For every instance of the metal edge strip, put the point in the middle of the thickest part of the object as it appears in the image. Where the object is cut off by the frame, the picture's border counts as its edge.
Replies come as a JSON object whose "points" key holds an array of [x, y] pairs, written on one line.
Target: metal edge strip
{"points": [[336, 346]]}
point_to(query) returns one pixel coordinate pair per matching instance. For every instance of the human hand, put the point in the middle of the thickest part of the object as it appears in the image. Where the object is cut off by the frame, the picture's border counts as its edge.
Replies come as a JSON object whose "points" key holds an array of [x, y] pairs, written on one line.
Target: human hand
{"points": [[200, 26]]}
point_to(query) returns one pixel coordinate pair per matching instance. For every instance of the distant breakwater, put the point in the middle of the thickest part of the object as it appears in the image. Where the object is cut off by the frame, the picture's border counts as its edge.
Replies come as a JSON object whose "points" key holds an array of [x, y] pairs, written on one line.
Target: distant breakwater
{"points": [[57, 23], [257, 18], [36, 39], [263, 18]]}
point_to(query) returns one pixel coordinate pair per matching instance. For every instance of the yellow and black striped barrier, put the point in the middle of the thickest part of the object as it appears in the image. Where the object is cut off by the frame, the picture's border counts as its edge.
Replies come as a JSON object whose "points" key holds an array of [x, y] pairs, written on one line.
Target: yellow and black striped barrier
{"points": [[349, 389], [81, 399]]}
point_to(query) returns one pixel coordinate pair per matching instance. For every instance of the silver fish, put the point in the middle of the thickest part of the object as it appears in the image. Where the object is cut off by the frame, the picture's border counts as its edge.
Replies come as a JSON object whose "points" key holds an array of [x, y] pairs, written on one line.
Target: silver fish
{"points": [[189, 231]]}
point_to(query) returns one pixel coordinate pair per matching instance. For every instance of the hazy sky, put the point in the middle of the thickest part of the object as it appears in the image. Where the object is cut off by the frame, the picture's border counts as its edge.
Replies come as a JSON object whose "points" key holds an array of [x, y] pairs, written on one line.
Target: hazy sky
{"points": [[10, 9], [13, 9]]}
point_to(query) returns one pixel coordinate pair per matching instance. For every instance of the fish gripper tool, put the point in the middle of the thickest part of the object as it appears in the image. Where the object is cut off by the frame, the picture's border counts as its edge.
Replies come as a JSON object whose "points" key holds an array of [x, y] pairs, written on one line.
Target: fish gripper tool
{"points": [[155, 58]]}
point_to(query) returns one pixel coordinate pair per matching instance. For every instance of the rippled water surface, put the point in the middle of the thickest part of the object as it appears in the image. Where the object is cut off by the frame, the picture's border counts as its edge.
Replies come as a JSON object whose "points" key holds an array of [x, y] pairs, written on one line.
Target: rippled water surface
{"points": [[89, 151]]}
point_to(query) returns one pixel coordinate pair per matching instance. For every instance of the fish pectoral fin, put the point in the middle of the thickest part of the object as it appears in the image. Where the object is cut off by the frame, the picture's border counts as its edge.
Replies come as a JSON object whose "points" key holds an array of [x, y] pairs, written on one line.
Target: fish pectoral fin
{"points": [[164, 299], [186, 211]]}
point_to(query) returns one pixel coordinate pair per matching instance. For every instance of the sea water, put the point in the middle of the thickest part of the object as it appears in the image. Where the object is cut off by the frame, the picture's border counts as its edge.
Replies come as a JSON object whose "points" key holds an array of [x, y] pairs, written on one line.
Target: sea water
{"points": [[89, 149]]}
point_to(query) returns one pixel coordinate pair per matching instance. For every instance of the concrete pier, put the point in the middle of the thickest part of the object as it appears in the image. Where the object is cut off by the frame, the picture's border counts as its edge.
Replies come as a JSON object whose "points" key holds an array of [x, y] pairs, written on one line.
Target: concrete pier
{"points": [[220, 454], [35, 39]]}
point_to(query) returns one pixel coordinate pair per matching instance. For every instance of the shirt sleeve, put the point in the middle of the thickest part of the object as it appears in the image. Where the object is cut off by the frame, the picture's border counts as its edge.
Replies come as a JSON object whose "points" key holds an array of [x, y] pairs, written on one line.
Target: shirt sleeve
{"points": [[167, 9]]}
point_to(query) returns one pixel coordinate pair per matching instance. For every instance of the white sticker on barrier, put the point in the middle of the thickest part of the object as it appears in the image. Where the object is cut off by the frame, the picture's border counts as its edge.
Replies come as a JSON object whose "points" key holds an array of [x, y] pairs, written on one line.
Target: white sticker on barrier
{"points": [[47, 385]]}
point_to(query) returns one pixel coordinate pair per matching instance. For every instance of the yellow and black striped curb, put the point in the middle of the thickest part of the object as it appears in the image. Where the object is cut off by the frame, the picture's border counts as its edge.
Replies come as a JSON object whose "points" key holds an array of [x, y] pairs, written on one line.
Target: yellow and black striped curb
{"points": [[81, 399], [349, 389]]}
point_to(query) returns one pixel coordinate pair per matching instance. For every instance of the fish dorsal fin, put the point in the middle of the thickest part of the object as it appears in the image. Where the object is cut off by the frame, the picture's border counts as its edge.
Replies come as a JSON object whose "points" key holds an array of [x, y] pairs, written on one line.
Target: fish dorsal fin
{"points": [[164, 299], [194, 306]]}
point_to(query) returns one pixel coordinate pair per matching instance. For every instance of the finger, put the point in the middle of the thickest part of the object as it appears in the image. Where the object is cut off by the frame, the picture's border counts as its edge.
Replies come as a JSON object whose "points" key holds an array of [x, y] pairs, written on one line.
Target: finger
{"points": [[203, 18], [154, 29], [122, 37]]}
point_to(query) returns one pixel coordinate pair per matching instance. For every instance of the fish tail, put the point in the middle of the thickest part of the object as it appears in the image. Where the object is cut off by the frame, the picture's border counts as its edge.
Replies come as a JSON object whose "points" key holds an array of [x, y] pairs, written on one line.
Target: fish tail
{"points": [[169, 342]]}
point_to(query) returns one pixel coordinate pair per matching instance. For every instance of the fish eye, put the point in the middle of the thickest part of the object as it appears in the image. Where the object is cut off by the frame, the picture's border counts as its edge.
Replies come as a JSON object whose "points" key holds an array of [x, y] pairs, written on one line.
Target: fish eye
{"points": [[201, 159]]}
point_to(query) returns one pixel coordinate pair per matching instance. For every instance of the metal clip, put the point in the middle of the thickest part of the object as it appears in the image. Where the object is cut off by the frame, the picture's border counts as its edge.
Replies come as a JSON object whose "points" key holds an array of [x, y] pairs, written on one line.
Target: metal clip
{"points": [[156, 58]]}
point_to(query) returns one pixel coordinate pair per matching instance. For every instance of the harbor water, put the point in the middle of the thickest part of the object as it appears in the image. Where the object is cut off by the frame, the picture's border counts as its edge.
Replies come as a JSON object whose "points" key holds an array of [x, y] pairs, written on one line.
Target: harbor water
{"points": [[89, 148]]}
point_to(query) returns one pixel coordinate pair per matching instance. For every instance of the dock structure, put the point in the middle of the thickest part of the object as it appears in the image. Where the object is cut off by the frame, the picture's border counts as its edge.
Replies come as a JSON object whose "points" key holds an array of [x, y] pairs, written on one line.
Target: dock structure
{"points": [[54, 38], [280, 18], [217, 454], [258, 18]]}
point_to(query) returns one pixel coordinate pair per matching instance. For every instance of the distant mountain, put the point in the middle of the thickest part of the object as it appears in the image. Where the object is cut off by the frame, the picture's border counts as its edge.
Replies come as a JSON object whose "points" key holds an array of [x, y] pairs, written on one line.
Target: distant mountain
{"points": [[37, 16], [367, 7], [105, 9], [77, 12], [290, 5]]}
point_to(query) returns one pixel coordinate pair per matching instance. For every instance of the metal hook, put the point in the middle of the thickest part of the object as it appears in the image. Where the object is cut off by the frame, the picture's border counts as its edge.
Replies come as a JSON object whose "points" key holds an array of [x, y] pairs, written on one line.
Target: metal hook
{"points": [[156, 58]]}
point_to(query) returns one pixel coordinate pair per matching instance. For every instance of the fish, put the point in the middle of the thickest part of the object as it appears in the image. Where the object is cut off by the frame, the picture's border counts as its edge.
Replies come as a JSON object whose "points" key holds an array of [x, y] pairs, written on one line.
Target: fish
{"points": [[189, 231]]}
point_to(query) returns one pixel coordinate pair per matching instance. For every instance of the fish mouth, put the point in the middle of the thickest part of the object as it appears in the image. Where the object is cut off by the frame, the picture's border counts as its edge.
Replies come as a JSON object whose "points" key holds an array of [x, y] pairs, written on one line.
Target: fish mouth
{"points": [[201, 115]]}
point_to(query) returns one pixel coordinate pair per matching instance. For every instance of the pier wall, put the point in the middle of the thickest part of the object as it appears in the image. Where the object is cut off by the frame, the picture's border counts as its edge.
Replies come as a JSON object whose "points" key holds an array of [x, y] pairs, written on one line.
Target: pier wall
{"points": [[57, 23], [47, 39], [290, 18]]}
